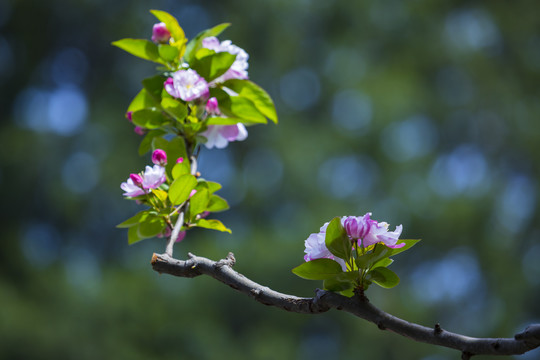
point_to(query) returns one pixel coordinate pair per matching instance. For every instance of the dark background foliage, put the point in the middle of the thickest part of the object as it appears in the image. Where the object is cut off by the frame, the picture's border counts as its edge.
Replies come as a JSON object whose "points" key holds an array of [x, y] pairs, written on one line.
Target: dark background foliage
{"points": [[424, 113]]}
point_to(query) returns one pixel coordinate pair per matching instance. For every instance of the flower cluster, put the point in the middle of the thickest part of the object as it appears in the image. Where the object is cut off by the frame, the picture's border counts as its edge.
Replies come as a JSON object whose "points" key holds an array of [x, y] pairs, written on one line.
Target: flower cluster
{"points": [[201, 95], [151, 178], [360, 229], [352, 252]]}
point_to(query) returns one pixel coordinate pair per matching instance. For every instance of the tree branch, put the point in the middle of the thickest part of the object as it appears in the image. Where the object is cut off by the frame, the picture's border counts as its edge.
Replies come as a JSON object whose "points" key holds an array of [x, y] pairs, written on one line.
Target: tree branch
{"points": [[358, 305]]}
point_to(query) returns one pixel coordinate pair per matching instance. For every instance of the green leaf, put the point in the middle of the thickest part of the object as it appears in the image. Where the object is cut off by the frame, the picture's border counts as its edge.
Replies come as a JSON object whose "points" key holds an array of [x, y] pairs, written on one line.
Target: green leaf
{"points": [[143, 100], [384, 277], [212, 224], [168, 53], [196, 43], [160, 194], [379, 252], [133, 235], [215, 120], [213, 65], [181, 188], [180, 169], [213, 186], [253, 92], [175, 148], [151, 227], [134, 220], [146, 143], [337, 241], [175, 108], [142, 48], [409, 243], [318, 269], [338, 284], [174, 28], [217, 204], [149, 118], [383, 263], [238, 107], [154, 86], [198, 202]]}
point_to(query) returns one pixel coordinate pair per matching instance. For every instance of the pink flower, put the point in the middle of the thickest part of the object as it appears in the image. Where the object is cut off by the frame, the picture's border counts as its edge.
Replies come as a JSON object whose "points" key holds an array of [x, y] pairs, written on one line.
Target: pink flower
{"points": [[219, 136], [212, 107], [181, 236], [133, 188], [186, 85], [160, 33], [138, 185], [368, 232], [238, 69], [180, 160], [316, 248], [159, 157], [129, 116], [153, 177]]}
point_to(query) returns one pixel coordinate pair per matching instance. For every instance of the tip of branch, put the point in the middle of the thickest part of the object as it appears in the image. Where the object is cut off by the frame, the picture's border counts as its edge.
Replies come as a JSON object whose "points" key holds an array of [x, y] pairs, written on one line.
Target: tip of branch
{"points": [[531, 334], [154, 259]]}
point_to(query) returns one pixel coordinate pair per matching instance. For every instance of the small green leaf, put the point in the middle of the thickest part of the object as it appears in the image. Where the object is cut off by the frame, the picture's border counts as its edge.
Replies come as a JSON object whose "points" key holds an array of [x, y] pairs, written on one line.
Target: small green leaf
{"points": [[154, 86], [196, 43], [181, 188], [180, 169], [133, 235], [175, 108], [337, 241], [146, 143], [168, 53], [383, 263], [134, 220], [384, 277], [318, 269], [253, 92], [213, 65], [149, 118], [215, 120], [143, 100], [198, 202], [212, 224], [338, 284], [142, 48], [160, 194], [217, 204], [213, 186], [408, 244], [379, 252], [151, 227]]}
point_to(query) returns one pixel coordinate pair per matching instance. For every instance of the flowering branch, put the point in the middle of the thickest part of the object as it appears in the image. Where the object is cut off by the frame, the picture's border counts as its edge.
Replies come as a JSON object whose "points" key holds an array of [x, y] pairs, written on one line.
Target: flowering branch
{"points": [[357, 305]]}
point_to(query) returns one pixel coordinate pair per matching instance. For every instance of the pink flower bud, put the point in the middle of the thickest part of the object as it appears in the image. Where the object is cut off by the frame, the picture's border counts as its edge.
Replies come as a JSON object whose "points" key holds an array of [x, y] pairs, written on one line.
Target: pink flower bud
{"points": [[212, 106], [129, 116], [180, 160], [159, 157], [193, 192], [137, 179], [139, 130], [160, 33]]}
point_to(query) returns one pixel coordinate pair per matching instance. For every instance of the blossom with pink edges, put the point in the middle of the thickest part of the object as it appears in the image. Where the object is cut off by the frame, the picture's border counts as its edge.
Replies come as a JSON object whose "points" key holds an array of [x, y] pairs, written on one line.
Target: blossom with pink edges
{"points": [[186, 85], [238, 69], [160, 33], [219, 136]]}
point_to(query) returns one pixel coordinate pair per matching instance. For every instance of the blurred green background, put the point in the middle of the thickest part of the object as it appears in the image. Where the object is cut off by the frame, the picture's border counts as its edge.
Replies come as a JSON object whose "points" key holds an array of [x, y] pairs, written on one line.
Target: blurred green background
{"points": [[424, 113]]}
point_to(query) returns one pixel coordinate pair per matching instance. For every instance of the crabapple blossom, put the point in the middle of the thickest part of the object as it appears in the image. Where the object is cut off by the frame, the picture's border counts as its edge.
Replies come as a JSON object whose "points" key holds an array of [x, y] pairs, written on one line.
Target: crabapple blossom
{"points": [[160, 33], [139, 130], [238, 69], [186, 85], [133, 187], [153, 177], [212, 107], [219, 136], [316, 248], [159, 157], [180, 160]]}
